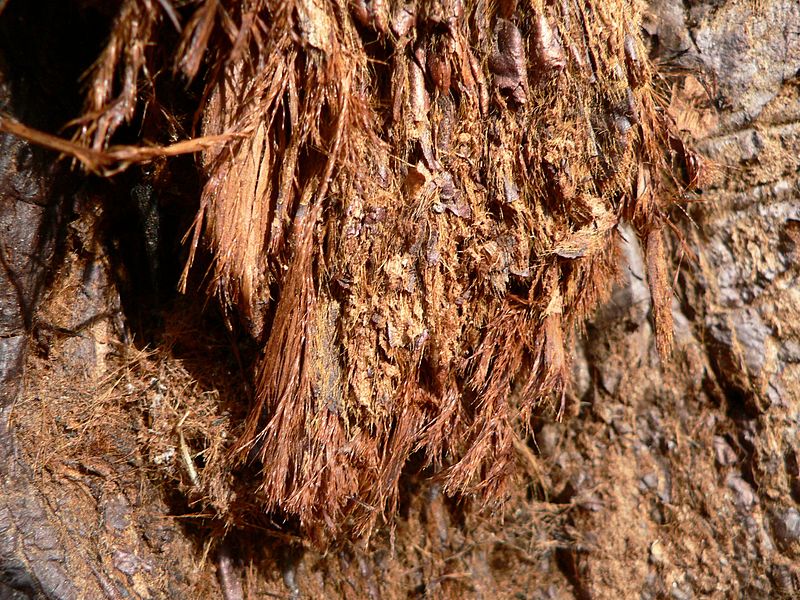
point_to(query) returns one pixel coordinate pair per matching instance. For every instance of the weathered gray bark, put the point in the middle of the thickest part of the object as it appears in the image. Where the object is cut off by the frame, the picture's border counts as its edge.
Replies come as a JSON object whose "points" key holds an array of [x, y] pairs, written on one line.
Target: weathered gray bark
{"points": [[696, 461]]}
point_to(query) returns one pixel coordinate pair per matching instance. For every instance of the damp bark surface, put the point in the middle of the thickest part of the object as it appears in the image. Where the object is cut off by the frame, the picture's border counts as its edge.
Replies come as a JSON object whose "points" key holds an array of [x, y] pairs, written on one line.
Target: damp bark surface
{"points": [[123, 403]]}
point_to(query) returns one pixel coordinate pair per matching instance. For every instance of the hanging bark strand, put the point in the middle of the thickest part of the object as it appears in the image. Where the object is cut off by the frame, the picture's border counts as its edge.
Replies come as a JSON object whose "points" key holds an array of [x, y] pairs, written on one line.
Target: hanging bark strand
{"points": [[423, 260]]}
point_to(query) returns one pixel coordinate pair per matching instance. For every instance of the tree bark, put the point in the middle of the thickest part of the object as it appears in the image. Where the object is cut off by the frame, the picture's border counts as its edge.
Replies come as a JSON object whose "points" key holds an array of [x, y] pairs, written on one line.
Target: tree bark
{"points": [[672, 477]]}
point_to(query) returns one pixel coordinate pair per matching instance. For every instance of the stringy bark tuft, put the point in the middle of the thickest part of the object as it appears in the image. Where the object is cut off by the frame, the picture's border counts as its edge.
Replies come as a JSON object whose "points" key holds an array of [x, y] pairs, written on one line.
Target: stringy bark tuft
{"points": [[414, 207]]}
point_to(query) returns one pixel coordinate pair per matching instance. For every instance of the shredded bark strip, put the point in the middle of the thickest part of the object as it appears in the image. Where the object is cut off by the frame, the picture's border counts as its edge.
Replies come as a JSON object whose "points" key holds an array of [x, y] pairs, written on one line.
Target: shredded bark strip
{"points": [[411, 206]]}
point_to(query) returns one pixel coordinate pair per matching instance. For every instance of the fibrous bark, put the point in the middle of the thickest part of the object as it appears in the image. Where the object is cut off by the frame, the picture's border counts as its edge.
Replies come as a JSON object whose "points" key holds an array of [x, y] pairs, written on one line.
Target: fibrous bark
{"points": [[671, 481], [417, 206]]}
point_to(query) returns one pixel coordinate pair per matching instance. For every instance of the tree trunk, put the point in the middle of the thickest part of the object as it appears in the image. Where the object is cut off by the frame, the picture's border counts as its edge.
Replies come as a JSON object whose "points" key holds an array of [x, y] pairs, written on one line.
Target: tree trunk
{"points": [[668, 476]]}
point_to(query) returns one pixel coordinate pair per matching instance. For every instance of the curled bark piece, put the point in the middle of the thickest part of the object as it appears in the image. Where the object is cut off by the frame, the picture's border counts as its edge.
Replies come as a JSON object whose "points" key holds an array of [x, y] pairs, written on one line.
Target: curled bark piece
{"points": [[443, 13], [660, 290], [440, 71], [632, 62], [630, 109], [622, 127], [403, 19], [418, 96], [548, 51], [229, 579], [371, 13], [508, 64]]}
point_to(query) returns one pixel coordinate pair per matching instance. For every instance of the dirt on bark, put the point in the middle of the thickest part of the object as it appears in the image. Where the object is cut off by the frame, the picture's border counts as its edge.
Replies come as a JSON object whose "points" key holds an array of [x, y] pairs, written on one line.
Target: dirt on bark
{"points": [[665, 479]]}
